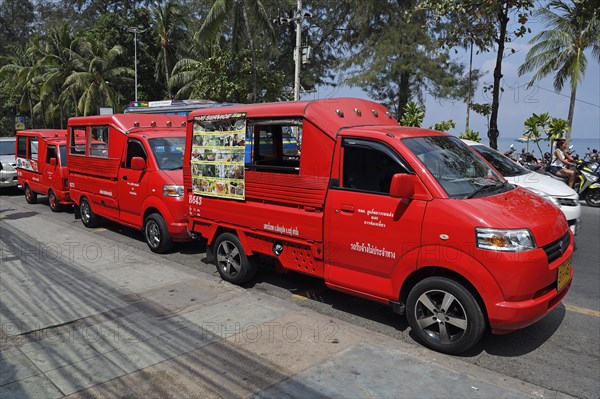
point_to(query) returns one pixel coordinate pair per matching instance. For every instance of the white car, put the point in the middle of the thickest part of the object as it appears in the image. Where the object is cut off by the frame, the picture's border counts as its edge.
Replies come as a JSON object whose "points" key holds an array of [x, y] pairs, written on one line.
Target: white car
{"points": [[8, 173], [546, 186]]}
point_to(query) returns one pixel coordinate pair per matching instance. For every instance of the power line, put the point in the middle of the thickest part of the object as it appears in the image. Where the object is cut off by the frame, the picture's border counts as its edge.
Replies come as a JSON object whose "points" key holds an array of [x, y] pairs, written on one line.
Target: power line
{"points": [[564, 95]]}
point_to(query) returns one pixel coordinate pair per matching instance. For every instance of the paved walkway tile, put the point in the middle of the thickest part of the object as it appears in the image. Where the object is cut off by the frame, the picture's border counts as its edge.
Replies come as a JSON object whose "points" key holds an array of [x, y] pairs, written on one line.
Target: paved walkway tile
{"points": [[369, 371], [32, 387], [296, 340], [84, 374], [140, 355], [16, 368]]}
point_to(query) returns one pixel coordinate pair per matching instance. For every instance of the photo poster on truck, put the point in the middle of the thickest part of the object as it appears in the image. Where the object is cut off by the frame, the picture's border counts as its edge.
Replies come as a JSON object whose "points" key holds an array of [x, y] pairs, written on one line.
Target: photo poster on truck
{"points": [[217, 160]]}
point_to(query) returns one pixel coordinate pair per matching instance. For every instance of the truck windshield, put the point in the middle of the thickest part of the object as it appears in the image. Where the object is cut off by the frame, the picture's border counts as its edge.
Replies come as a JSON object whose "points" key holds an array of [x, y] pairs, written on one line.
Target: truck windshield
{"points": [[168, 152], [502, 163], [460, 172]]}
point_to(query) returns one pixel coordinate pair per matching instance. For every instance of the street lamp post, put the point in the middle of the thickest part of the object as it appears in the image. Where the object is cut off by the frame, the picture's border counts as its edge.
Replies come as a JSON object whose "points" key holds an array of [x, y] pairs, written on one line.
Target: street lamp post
{"points": [[135, 30]]}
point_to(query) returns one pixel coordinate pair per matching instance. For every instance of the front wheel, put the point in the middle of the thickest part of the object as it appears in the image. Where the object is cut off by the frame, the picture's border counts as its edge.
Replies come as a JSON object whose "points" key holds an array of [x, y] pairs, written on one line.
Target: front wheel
{"points": [[30, 195], [444, 315], [231, 260], [53, 202], [156, 233], [592, 197]]}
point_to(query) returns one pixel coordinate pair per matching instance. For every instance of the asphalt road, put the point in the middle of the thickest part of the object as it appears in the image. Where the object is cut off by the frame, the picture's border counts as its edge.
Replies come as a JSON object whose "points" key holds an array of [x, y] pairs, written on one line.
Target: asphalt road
{"points": [[561, 352]]}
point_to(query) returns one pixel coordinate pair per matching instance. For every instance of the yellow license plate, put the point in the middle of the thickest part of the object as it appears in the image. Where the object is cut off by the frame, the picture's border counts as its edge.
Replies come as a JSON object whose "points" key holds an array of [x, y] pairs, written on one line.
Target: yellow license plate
{"points": [[564, 274]]}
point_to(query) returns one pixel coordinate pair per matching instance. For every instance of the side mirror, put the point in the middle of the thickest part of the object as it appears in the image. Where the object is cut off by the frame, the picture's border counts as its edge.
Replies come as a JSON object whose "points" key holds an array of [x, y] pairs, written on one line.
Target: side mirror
{"points": [[53, 162], [403, 186], [138, 163]]}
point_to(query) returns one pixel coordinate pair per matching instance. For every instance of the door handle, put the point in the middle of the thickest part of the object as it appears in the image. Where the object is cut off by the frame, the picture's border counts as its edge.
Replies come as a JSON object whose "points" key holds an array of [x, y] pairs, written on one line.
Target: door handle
{"points": [[347, 208], [124, 177]]}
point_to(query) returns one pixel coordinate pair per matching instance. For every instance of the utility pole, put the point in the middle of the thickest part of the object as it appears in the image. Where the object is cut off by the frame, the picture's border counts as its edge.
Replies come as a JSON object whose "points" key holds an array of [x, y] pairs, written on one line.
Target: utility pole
{"points": [[135, 30], [299, 55], [298, 50]]}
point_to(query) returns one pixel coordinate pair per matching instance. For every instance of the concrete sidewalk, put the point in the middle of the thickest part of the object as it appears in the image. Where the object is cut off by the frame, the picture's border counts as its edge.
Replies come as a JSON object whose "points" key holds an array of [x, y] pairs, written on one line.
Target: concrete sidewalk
{"points": [[82, 316]]}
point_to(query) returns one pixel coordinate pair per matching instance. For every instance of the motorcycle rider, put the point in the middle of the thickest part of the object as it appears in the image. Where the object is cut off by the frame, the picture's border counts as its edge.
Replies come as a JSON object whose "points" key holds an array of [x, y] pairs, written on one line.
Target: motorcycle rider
{"points": [[560, 163]]}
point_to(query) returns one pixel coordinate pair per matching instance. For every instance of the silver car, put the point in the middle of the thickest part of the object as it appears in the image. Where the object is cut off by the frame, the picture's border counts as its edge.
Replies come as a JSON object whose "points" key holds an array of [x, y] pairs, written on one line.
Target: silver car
{"points": [[8, 172]]}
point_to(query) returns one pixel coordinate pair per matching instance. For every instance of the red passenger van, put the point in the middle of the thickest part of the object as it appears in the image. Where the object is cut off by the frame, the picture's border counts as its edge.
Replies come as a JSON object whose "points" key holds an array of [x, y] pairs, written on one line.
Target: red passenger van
{"points": [[404, 216], [42, 166], [129, 169]]}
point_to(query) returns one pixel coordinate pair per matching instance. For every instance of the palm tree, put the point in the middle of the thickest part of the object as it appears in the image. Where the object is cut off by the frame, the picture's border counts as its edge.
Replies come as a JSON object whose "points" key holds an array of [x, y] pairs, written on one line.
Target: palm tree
{"points": [[561, 49], [245, 14], [58, 58], [21, 72], [98, 84], [169, 22]]}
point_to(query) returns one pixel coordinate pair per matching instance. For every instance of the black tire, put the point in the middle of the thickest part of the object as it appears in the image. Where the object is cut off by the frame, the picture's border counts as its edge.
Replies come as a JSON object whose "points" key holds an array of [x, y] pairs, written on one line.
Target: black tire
{"points": [[156, 234], [53, 202], [463, 321], [88, 217], [231, 260], [30, 195], [592, 197]]}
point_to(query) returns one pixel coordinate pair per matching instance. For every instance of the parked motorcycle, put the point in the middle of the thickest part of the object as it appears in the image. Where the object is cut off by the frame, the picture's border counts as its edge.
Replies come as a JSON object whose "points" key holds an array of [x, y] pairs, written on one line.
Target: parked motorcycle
{"points": [[529, 161], [587, 185], [510, 151]]}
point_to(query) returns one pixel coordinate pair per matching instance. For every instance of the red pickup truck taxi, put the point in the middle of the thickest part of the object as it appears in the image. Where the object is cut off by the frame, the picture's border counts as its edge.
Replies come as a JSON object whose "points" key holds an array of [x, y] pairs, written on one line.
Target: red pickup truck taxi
{"points": [[42, 166], [129, 170], [404, 216]]}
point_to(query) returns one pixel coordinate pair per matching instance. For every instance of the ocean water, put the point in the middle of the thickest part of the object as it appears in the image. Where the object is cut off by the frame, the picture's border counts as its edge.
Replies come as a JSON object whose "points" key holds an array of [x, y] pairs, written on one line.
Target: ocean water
{"points": [[580, 146]]}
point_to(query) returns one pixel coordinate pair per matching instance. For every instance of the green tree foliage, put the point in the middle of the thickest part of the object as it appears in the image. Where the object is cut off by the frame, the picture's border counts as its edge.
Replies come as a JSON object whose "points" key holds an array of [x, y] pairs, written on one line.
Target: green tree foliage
{"points": [[16, 21], [99, 82], [245, 17], [494, 15], [535, 125], [560, 50], [394, 55], [470, 135], [444, 126], [169, 30], [413, 115], [224, 78]]}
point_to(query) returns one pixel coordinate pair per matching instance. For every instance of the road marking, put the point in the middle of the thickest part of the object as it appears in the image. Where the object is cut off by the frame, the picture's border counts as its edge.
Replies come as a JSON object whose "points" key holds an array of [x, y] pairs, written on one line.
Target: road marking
{"points": [[585, 311]]}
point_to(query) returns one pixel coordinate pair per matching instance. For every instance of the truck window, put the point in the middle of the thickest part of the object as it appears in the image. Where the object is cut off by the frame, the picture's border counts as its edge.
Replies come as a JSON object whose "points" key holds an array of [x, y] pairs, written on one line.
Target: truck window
{"points": [[134, 149], [51, 153], [100, 141], [369, 166], [274, 145], [33, 148], [63, 155], [76, 147], [22, 147]]}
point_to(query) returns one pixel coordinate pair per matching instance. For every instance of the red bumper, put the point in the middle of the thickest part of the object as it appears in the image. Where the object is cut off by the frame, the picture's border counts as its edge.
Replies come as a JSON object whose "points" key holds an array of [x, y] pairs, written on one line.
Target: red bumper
{"points": [[179, 232], [506, 317]]}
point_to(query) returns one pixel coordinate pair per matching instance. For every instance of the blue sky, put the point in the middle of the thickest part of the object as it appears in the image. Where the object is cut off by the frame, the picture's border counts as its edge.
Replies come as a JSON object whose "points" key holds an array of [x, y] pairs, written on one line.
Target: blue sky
{"points": [[518, 102]]}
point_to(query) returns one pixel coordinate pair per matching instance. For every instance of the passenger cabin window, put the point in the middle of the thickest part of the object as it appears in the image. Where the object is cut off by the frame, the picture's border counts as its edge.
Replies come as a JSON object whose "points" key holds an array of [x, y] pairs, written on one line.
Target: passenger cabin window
{"points": [[99, 145], [369, 166], [77, 141], [134, 149], [51, 153], [63, 155], [33, 148], [274, 145], [22, 147]]}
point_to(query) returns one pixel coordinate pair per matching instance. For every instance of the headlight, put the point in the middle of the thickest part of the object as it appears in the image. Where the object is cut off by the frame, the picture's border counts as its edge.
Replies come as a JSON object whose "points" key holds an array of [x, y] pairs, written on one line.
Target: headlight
{"points": [[547, 197], [504, 240], [171, 190]]}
